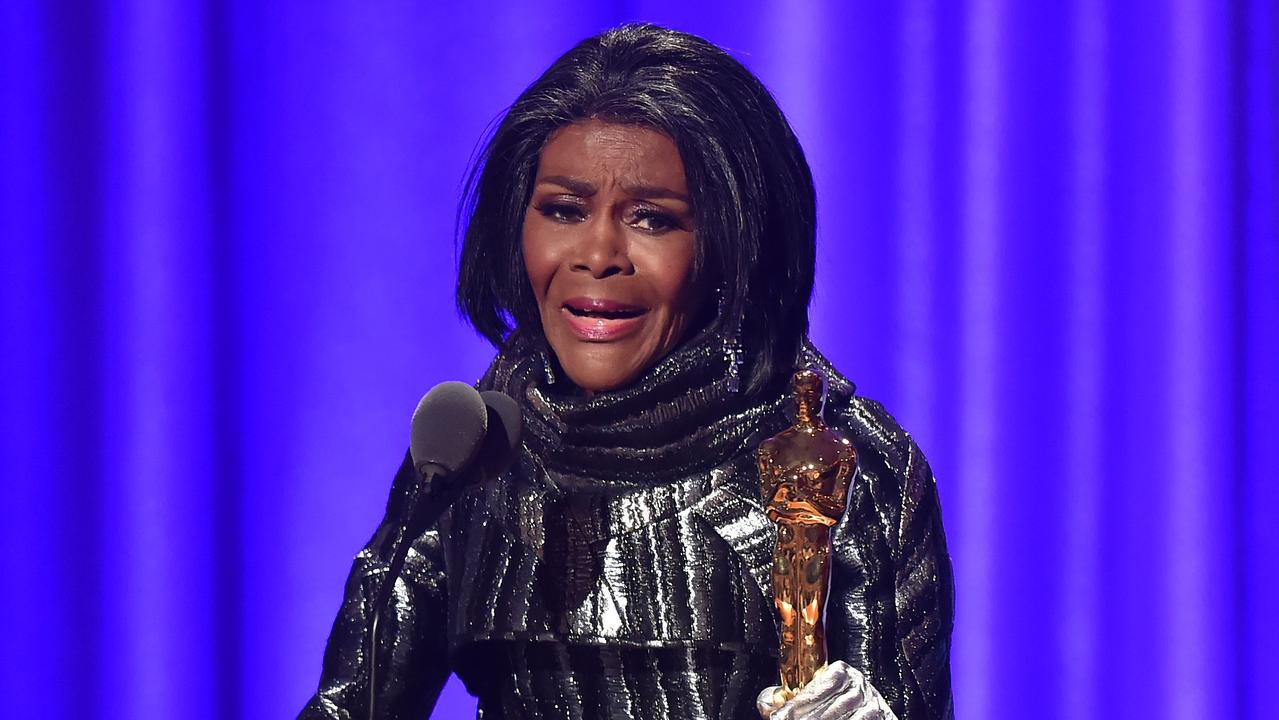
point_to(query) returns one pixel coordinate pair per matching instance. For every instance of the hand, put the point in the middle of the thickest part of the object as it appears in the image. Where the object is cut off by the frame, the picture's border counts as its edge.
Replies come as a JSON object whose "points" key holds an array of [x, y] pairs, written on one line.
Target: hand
{"points": [[838, 692]]}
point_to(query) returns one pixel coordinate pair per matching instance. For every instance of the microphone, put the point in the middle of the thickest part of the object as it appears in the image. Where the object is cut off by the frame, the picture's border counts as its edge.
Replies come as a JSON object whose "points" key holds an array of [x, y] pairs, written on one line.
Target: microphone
{"points": [[457, 436], [449, 428]]}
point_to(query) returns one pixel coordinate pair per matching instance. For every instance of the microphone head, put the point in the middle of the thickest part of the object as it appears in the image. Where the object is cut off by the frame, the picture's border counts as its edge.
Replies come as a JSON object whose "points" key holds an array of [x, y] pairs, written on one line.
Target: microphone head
{"points": [[505, 427], [448, 426]]}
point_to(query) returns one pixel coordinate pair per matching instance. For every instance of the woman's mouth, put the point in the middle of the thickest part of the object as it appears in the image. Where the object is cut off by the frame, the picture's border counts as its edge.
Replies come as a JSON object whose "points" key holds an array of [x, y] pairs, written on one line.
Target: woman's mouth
{"points": [[601, 320]]}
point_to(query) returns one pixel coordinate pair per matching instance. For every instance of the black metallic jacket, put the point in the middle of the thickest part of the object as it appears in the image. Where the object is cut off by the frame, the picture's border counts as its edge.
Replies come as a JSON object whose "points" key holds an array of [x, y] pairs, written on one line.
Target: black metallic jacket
{"points": [[622, 567]]}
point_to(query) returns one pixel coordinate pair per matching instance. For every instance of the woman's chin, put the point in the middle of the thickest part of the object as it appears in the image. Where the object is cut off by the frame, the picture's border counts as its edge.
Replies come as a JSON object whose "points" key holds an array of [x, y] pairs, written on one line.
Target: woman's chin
{"points": [[599, 371]]}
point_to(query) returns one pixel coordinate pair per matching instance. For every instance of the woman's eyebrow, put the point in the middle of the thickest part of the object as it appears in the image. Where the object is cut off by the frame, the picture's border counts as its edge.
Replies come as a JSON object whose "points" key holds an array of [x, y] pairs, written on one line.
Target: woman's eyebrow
{"points": [[655, 191], [573, 185]]}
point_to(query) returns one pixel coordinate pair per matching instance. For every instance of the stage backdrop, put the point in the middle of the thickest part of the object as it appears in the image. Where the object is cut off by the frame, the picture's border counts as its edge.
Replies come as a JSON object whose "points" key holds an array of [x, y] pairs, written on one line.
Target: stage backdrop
{"points": [[1047, 244]]}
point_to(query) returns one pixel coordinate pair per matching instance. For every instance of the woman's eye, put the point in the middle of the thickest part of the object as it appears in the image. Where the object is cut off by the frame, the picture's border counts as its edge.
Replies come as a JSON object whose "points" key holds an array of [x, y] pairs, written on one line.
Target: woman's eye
{"points": [[654, 222], [561, 212]]}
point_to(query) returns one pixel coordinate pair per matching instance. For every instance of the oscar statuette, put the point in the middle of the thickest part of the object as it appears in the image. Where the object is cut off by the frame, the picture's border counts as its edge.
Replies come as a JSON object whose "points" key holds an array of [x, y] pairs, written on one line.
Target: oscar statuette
{"points": [[805, 472]]}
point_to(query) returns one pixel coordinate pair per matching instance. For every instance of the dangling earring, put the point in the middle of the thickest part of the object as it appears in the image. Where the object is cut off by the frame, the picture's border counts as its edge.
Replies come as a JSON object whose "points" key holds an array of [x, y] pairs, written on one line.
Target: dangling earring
{"points": [[547, 369], [732, 343]]}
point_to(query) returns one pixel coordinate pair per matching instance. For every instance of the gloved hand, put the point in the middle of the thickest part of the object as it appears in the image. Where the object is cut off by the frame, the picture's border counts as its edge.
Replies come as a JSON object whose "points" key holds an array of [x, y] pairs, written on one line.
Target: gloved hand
{"points": [[837, 692]]}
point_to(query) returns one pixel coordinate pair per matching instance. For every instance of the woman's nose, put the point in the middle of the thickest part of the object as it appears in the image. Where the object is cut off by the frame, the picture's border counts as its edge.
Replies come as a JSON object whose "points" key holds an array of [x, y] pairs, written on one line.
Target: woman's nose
{"points": [[601, 249]]}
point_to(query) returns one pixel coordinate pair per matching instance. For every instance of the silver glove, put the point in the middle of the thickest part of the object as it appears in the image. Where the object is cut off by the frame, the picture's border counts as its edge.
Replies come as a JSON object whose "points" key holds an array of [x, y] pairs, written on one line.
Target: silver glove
{"points": [[837, 692]]}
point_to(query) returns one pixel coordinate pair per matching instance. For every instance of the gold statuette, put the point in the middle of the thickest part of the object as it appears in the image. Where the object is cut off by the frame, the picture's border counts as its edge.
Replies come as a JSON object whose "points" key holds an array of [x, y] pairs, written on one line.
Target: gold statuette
{"points": [[805, 472]]}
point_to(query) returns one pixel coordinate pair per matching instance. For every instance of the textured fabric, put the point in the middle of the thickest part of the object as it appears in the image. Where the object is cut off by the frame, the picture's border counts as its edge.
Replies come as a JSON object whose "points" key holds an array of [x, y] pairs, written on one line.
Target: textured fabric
{"points": [[621, 568], [568, 680]]}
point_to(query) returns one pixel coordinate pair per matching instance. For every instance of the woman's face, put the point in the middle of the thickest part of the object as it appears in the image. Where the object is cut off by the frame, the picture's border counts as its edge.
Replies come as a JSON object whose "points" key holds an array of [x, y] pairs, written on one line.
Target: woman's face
{"points": [[609, 247]]}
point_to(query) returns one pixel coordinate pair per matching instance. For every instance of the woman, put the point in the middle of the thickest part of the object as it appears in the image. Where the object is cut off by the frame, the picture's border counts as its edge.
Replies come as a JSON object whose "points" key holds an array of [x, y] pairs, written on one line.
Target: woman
{"points": [[640, 248]]}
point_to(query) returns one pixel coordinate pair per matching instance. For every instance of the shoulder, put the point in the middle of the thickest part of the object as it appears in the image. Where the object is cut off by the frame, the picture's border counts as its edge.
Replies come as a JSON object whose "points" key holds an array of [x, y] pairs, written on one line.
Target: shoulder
{"points": [[892, 472], [880, 440]]}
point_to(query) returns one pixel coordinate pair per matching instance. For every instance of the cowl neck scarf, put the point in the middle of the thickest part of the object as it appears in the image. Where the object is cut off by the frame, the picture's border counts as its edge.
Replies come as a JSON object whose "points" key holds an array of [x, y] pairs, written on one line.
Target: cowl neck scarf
{"points": [[680, 418]]}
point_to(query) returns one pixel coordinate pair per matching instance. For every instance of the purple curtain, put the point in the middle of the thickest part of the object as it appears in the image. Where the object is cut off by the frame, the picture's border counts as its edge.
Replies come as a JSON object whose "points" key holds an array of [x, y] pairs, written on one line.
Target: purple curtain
{"points": [[1048, 244]]}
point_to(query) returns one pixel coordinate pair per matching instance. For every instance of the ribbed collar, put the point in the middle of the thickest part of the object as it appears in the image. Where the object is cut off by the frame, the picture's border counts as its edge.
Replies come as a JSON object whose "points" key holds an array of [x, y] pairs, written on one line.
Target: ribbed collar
{"points": [[679, 419]]}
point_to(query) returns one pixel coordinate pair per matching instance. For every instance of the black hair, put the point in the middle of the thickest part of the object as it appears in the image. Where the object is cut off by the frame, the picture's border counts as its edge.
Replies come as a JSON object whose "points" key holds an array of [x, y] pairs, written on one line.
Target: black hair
{"points": [[752, 191]]}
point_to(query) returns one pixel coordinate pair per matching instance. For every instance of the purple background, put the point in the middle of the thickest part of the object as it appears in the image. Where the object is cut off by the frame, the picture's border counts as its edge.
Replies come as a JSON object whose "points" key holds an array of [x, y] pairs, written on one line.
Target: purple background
{"points": [[1048, 244]]}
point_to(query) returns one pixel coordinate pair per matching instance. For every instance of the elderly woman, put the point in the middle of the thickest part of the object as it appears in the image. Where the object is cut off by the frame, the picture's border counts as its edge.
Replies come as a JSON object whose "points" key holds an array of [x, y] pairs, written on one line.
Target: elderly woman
{"points": [[640, 248]]}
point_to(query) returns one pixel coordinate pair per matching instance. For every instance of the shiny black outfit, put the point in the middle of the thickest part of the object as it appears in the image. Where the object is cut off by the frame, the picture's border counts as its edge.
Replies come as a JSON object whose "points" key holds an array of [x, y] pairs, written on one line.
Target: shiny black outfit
{"points": [[621, 568]]}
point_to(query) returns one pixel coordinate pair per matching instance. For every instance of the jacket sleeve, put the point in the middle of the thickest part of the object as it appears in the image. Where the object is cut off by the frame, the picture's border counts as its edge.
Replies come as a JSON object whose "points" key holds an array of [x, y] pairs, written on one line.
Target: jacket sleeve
{"points": [[924, 595], [891, 609], [412, 646]]}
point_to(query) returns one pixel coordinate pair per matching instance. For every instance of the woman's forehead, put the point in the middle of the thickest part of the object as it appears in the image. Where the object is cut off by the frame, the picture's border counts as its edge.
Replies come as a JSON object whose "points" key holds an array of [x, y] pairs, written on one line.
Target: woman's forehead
{"points": [[598, 152]]}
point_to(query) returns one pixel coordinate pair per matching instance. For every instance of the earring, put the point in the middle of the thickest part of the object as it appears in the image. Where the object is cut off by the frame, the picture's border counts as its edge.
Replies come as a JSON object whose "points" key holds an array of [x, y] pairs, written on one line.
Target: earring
{"points": [[733, 354], [547, 369], [732, 344]]}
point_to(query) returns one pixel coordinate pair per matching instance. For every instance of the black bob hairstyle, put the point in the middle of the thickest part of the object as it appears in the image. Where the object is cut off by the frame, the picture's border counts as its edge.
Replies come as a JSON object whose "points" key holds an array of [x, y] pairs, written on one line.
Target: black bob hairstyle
{"points": [[751, 188]]}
